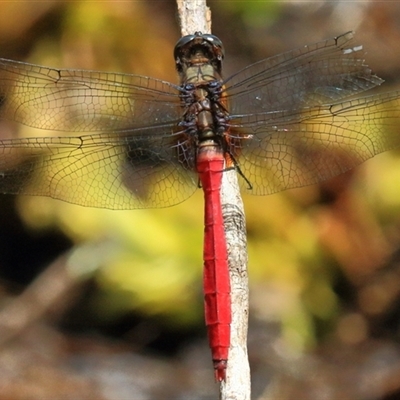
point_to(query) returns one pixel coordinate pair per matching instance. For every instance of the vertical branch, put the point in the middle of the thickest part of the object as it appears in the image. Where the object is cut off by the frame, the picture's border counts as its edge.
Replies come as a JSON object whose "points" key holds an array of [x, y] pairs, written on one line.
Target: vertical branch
{"points": [[237, 385], [195, 16]]}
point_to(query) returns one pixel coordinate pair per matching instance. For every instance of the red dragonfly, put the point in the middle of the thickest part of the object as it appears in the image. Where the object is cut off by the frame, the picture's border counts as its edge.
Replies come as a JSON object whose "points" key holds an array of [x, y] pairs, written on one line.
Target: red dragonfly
{"points": [[281, 123]]}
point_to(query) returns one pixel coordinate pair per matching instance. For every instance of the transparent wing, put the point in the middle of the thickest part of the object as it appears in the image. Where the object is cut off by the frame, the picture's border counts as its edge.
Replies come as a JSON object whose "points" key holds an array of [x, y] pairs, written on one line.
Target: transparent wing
{"points": [[116, 171], [320, 73], [134, 158], [289, 149], [83, 101]]}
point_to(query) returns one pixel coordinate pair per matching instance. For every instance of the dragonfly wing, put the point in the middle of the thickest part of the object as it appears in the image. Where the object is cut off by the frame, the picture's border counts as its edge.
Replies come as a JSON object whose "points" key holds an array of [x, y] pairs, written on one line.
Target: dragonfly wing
{"points": [[296, 148], [83, 101], [109, 170], [321, 73]]}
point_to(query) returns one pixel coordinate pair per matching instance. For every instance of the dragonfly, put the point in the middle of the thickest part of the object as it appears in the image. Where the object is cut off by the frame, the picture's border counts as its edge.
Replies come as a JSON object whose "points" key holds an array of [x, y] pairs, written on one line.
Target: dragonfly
{"points": [[132, 141]]}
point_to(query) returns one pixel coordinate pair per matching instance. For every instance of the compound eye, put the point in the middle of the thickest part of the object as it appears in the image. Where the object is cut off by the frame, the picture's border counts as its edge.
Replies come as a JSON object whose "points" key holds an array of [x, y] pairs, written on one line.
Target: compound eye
{"points": [[207, 37], [215, 41], [183, 41], [212, 39]]}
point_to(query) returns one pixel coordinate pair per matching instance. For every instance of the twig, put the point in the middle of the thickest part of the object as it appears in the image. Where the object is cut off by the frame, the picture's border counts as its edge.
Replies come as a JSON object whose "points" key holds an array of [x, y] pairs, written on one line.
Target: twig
{"points": [[195, 16], [237, 385]]}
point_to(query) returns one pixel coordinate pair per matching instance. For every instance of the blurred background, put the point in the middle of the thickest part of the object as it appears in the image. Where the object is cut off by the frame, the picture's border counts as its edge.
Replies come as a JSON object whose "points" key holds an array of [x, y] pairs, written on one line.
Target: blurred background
{"points": [[108, 305]]}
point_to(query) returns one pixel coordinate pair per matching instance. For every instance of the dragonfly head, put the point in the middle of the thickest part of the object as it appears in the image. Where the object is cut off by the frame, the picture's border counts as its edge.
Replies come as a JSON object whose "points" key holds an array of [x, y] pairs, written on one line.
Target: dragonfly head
{"points": [[199, 49]]}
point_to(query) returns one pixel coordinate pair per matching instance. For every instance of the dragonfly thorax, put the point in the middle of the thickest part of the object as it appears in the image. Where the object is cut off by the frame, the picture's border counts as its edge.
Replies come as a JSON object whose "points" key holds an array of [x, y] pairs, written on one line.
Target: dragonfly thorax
{"points": [[204, 116]]}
